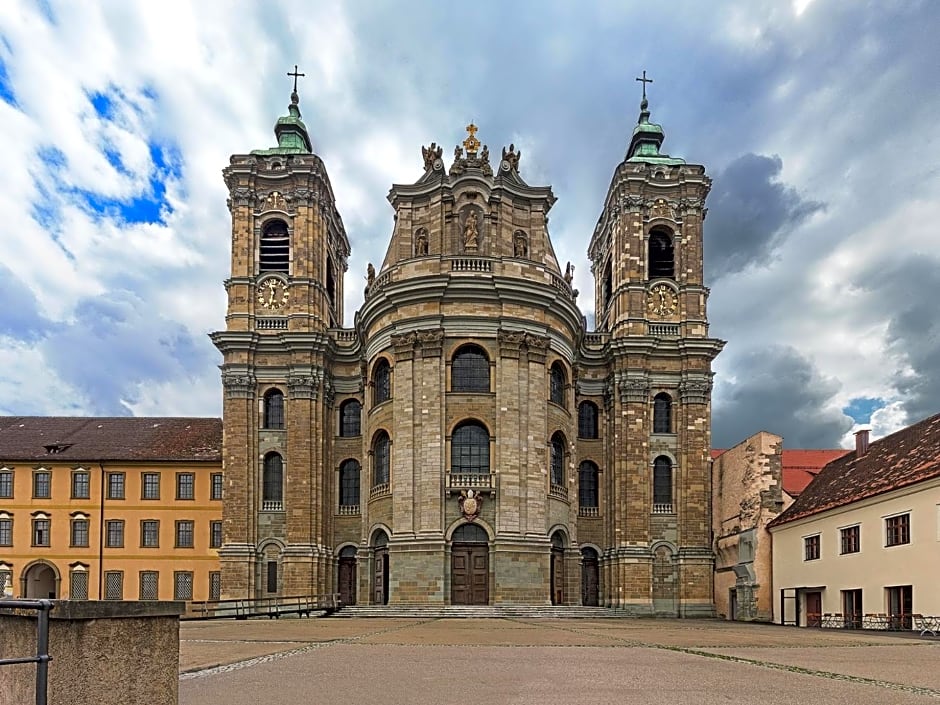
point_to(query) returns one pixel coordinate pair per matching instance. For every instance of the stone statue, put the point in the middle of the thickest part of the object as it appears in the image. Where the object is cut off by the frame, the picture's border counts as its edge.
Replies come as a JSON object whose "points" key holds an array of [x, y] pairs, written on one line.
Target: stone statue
{"points": [[512, 157], [485, 154], [569, 273], [431, 155], [421, 244], [370, 275], [471, 232], [520, 245]]}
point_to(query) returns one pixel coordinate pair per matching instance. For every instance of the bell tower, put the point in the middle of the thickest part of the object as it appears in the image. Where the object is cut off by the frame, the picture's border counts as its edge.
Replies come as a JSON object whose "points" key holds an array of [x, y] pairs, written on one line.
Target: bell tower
{"points": [[289, 254], [650, 298]]}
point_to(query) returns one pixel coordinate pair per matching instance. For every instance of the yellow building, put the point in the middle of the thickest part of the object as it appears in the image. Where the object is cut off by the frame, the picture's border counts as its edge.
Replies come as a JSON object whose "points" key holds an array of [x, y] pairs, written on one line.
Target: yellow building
{"points": [[110, 508]]}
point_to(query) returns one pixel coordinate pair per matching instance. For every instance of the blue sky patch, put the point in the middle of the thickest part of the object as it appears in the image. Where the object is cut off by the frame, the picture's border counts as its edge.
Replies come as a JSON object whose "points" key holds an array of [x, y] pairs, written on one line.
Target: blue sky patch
{"points": [[103, 105], [861, 408], [6, 88]]}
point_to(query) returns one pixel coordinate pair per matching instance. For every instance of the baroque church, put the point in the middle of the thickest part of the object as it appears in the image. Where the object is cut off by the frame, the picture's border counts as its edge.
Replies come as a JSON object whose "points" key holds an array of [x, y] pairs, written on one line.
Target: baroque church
{"points": [[468, 440]]}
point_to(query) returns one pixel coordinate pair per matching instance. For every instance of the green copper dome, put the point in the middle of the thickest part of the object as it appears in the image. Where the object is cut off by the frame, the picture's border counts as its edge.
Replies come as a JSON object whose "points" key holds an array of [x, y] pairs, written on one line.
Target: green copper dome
{"points": [[291, 133], [647, 139]]}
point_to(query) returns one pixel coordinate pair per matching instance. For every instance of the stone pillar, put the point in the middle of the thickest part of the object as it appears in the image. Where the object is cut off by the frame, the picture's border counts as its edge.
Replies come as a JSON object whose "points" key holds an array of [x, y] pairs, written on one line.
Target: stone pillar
{"points": [[107, 653]]}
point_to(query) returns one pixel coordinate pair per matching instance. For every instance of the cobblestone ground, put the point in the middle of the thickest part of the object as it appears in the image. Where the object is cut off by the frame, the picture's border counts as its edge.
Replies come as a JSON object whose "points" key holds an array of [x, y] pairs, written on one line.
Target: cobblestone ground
{"points": [[544, 662]]}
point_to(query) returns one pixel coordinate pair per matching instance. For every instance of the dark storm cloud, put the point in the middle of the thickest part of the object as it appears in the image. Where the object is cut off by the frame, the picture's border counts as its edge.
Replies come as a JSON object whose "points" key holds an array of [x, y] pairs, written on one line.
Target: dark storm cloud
{"points": [[116, 342], [750, 214], [905, 292], [778, 390]]}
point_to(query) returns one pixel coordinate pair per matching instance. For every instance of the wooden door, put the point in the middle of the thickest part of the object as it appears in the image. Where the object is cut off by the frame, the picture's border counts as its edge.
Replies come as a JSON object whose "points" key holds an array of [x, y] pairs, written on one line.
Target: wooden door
{"points": [[380, 577], [347, 581], [813, 609], [589, 579], [558, 576], [469, 575]]}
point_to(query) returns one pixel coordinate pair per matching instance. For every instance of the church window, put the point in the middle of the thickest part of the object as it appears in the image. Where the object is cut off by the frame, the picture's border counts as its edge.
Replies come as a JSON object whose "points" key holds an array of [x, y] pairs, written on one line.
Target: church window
{"points": [[274, 409], [470, 449], [662, 413], [349, 483], [381, 381], [608, 284], [470, 370], [558, 460], [587, 485], [661, 255], [470, 533], [350, 418], [274, 255], [662, 485], [330, 282], [273, 482], [587, 420], [557, 380], [381, 452]]}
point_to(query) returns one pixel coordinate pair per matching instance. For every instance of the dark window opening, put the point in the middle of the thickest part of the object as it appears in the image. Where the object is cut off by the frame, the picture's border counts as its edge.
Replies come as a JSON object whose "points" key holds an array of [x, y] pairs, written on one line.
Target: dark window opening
{"points": [[274, 409], [587, 420], [558, 460], [587, 485], [470, 449], [349, 483], [350, 418], [811, 548], [557, 384], [470, 370], [661, 256], [380, 459], [850, 540], [608, 285], [898, 530], [381, 382], [274, 255], [662, 483], [272, 577], [662, 413], [330, 282], [273, 481]]}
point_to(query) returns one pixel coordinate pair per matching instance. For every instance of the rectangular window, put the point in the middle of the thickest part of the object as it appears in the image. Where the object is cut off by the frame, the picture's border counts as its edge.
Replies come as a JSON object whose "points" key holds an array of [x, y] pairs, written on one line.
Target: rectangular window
{"points": [[114, 585], [150, 533], [216, 486], [40, 532], [215, 534], [114, 537], [184, 534], [79, 533], [898, 530], [811, 548], [215, 585], [6, 484], [849, 537], [42, 484], [81, 485], [115, 485], [150, 485], [6, 532], [78, 585], [185, 485], [182, 585], [149, 585]]}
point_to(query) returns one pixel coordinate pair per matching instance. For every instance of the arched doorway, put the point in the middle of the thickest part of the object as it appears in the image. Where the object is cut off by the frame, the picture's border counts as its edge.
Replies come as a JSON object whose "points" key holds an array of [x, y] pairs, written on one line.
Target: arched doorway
{"points": [[665, 582], [558, 568], [470, 566], [590, 577], [380, 568], [40, 581], [346, 583]]}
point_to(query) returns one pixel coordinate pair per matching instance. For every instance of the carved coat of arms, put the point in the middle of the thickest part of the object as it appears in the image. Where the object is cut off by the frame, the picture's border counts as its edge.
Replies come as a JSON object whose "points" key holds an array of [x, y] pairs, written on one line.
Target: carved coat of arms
{"points": [[470, 503]]}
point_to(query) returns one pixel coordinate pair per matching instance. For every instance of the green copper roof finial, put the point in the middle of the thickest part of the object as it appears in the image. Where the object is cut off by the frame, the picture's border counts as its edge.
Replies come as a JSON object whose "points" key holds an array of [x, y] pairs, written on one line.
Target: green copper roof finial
{"points": [[291, 133], [648, 136]]}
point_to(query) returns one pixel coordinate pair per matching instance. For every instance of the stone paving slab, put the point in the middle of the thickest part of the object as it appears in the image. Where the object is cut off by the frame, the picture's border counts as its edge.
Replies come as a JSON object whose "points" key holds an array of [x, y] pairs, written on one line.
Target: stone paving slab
{"points": [[911, 663], [360, 673]]}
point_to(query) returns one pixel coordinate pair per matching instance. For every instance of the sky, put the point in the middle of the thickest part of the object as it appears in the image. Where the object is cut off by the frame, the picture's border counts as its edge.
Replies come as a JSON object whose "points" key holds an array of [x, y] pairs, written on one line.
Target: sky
{"points": [[817, 121]]}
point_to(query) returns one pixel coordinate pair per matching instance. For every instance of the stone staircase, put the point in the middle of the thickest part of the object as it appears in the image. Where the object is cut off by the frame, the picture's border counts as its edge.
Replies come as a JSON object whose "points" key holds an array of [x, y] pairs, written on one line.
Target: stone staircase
{"points": [[478, 611]]}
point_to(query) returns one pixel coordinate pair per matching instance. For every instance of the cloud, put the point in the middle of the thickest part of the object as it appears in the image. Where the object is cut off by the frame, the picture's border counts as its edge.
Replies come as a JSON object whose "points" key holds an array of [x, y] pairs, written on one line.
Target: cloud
{"points": [[750, 214], [778, 390]]}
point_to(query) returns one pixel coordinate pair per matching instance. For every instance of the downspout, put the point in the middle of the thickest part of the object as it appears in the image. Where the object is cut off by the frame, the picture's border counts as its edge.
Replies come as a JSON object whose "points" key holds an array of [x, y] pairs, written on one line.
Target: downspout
{"points": [[101, 535]]}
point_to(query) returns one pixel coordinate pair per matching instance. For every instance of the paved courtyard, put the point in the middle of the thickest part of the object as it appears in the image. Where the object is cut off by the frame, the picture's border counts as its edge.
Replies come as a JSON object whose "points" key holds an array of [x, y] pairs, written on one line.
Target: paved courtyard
{"points": [[548, 662]]}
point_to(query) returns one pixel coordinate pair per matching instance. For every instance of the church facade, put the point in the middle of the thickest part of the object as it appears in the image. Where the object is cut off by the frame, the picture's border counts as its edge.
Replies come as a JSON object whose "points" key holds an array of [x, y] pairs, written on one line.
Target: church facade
{"points": [[468, 440]]}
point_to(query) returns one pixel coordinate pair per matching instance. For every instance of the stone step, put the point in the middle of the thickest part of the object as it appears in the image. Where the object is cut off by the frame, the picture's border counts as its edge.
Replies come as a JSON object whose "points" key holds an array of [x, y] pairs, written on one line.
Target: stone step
{"points": [[478, 611]]}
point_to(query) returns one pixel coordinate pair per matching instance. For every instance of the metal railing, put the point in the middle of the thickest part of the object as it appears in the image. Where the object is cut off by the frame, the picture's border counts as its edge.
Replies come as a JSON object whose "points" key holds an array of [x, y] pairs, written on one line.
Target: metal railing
{"points": [[270, 607], [42, 657]]}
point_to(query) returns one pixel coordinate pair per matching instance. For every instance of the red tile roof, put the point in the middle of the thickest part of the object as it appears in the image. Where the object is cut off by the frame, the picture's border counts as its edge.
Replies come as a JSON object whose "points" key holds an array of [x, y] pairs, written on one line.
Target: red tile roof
{"points": [[904, 458], [63, 438], [800, 466]]}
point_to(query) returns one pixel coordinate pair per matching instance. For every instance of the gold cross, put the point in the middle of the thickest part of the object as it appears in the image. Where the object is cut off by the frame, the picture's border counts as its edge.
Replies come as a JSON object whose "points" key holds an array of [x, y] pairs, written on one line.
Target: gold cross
{"points": [[471, 144]]}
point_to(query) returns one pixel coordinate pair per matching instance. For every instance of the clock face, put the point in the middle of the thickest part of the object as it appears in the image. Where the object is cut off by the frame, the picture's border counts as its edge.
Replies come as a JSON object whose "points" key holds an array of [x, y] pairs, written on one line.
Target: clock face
{"points": [[272, 294], [662, 300]]}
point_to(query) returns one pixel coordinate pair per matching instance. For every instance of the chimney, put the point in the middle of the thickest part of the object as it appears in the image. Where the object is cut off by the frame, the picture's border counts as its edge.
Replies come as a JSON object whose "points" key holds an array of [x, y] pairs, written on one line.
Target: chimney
{"points": [[861, 442]]}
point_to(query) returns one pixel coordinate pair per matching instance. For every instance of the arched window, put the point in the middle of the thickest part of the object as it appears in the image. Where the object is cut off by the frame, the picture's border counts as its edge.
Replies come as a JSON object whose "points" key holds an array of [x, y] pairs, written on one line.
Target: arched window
{"points": [[330, 282], [470, 370], [470, 449], [587, 485], [381, 382], [608, 289], [381, 448], [662, 484], [587, 420], [274, 409], [662, 413], [558, 460], [274, 255], [557, 381], [272, 491], [350, 415], [470, 533], [349, 483], [661, 255]]}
